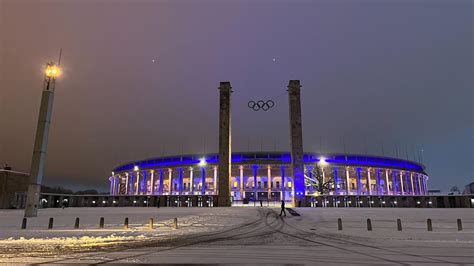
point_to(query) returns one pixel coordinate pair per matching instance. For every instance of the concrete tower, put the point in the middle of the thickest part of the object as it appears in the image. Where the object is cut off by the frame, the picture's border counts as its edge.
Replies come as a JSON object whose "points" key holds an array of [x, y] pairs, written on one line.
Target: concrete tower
{"points": [[41, 141], [296, 140], [225, 144]]}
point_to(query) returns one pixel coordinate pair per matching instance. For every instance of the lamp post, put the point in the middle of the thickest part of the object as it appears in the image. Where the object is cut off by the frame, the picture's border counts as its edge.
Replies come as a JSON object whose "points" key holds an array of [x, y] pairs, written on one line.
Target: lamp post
{"points": [[41, 140]]}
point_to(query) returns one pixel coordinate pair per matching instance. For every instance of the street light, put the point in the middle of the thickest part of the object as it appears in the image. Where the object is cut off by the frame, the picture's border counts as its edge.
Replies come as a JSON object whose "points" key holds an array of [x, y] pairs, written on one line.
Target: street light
{"points": [[35, 180], [52, 70], [322, 161]]}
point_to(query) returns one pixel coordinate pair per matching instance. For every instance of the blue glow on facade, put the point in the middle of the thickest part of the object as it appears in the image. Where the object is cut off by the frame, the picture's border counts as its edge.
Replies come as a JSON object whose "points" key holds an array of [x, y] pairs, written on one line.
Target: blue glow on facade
{"points": [[255, 167], [378, 182], [394, 173], [143, 183], [175, 173], [132, 181], [180, 188], [203, 180], [355, 160], [161, 181]]}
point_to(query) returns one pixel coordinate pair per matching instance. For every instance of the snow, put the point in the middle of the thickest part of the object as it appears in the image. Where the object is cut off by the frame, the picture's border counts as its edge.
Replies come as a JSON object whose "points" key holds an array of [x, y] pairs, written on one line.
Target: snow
{"points": [[239, 235]]}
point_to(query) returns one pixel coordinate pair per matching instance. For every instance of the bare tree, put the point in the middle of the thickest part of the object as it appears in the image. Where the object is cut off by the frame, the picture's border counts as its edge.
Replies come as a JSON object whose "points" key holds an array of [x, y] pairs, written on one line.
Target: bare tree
{"points": [[455, 190], [314, 178]]}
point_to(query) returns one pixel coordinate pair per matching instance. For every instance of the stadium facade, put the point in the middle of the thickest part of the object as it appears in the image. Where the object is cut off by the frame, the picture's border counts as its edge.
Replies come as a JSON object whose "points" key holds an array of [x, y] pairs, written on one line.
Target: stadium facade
{"points": [[267, 176]]}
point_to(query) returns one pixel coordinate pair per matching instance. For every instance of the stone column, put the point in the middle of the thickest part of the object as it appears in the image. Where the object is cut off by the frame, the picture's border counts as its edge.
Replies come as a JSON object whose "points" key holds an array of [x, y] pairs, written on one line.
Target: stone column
{"points": [[225, 145], [387, 187], [137, 192], [296, 140], [127, 184], [412, 184], [269, 176], [117, 185], [170, 182], [215, 180], [242, 193], [369, 181], [401, 183], [348, 189], [152, 182], [180, 185], [359, 183], [191, 181]]}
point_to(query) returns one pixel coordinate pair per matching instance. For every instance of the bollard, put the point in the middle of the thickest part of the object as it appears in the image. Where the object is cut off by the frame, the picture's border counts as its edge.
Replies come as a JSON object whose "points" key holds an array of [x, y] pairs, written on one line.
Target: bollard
{"points": [[459, 225], [76, 223], [339, 224], [399, 225], [175, 223], [125, 223], [369, 224], [101, 222], [23, 223], [50, 224], [429, 225], [150, 224]]}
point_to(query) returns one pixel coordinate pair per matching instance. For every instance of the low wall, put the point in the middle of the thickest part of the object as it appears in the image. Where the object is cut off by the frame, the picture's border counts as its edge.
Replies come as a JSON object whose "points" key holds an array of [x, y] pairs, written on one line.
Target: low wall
{"points": [[49, 200]]}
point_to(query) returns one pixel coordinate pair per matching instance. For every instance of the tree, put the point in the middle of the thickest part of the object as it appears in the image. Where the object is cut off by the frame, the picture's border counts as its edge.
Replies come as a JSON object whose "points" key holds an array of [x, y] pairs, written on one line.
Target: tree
{"points": [[455, 190], [315, 179]]}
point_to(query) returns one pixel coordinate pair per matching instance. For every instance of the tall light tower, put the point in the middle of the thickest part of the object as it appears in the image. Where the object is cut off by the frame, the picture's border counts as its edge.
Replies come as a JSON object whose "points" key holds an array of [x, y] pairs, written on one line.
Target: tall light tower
{"points": [[41, 140]]}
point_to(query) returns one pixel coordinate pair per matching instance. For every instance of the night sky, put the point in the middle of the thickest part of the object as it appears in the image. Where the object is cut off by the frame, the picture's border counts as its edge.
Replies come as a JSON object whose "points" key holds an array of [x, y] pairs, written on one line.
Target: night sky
{"points": [[140, 79]]}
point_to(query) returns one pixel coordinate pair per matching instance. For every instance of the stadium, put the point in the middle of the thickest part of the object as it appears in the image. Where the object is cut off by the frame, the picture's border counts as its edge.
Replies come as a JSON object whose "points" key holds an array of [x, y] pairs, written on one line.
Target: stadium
{"points": [[267, 176]]}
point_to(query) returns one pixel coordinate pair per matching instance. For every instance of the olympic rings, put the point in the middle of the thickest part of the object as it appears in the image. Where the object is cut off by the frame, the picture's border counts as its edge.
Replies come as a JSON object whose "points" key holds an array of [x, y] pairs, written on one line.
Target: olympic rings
{"points": [[264, 105]]}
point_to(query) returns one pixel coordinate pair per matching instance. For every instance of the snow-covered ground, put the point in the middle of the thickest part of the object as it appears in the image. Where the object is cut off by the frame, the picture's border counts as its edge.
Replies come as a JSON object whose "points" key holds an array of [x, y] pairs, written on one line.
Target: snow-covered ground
{"points": [[239, 235]]}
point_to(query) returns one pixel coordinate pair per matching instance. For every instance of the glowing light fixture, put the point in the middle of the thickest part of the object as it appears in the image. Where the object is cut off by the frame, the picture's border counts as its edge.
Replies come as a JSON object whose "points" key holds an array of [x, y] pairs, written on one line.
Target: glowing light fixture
{"points": [[135, 168], [52, 71], [322, 161], [202, 162]]}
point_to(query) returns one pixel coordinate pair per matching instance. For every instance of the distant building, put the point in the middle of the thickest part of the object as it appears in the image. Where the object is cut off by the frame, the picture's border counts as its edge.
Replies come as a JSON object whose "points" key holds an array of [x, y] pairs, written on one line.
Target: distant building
{"points": [[469, 189], [13, 187]]}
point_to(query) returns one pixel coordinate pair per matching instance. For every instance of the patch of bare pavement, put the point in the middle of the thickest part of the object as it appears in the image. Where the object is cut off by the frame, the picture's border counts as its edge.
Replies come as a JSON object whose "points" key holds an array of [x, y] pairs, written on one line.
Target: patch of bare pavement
{"points": [[261, 236]]}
